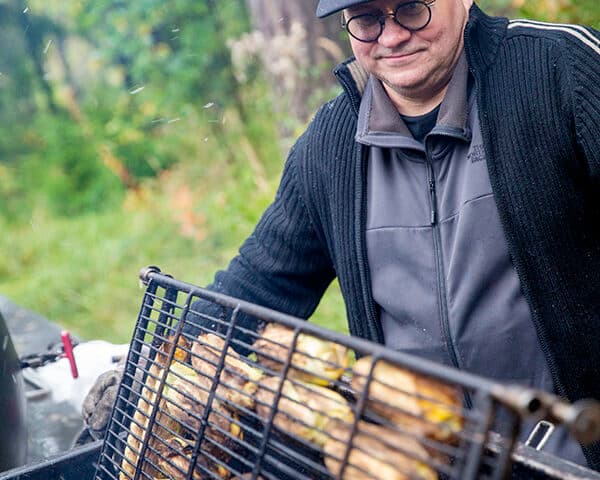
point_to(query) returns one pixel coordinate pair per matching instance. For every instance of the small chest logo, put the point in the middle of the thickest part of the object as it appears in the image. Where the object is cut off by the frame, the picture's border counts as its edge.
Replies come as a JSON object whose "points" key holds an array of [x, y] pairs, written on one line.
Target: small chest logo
{"points": [[477, 154]]}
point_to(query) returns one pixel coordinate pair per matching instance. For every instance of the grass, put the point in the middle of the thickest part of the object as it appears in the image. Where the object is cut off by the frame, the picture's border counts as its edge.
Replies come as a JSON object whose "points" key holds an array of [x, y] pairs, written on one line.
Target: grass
{"points": [[82, 272]]}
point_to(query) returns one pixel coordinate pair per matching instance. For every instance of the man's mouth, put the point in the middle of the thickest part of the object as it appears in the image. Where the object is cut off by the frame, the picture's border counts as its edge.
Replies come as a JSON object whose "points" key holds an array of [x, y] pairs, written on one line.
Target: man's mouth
{"points": [[399, 55]]}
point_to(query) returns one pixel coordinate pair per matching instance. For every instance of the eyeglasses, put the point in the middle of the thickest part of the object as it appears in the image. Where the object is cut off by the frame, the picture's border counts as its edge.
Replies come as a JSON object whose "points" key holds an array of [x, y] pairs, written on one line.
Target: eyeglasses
{"points": [[368, 27]]}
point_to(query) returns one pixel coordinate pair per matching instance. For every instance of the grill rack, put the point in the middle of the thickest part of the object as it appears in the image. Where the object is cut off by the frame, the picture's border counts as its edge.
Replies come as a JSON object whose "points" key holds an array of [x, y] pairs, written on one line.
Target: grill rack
{"points": [[173, 420]]}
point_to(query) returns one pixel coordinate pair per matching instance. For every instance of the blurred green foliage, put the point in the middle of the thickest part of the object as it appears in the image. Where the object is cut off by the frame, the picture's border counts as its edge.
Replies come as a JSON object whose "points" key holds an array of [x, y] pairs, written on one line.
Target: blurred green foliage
{"points": [[586, 12], [127, 140]]}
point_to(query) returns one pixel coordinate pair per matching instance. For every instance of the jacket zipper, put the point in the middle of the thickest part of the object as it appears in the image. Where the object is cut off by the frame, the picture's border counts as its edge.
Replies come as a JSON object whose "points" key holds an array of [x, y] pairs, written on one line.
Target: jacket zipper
{"points": [[439, 269], [374, 334]]}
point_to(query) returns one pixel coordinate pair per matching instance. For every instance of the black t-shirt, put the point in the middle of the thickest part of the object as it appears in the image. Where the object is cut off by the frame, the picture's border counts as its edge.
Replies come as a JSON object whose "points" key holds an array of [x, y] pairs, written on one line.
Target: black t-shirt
{"points": [[421, 125]]}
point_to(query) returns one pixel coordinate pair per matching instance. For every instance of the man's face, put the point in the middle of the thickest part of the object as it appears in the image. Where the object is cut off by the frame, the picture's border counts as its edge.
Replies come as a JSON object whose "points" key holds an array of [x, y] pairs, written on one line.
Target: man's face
{"points": [[413, 64]]}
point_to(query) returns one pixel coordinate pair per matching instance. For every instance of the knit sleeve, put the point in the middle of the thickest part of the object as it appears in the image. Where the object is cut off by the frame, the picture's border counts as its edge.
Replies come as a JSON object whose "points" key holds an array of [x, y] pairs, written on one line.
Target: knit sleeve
{"points": [[283, 263], [585, 61]]}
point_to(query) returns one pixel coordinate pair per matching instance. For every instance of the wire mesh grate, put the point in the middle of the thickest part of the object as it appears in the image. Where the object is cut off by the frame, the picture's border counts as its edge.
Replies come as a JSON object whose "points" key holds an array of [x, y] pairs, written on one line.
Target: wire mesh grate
{"points": [[216, 388]]}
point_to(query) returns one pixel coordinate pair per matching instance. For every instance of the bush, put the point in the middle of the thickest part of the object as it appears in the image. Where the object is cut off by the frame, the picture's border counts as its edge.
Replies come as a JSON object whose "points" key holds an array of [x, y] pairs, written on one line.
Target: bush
{"points": [[69, 176]]}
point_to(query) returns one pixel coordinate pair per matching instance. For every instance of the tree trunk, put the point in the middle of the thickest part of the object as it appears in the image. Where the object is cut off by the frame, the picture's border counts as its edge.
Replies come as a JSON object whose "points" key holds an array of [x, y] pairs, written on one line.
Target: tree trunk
{"points": [[322, 48]]}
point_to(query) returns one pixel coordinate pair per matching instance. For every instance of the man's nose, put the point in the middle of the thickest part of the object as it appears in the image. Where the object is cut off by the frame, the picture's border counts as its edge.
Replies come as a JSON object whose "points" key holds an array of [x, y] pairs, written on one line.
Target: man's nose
{"points": [[393, 33]]}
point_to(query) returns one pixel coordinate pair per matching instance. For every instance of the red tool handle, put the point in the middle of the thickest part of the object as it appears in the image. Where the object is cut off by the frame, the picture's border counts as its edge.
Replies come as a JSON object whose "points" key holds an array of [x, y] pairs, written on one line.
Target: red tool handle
{"points": [[68, 348]]}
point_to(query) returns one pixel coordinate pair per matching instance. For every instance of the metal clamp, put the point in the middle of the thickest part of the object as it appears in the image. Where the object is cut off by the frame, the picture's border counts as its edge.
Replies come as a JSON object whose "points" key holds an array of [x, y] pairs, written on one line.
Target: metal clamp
{"points": [[145, 273], [540, 434]]}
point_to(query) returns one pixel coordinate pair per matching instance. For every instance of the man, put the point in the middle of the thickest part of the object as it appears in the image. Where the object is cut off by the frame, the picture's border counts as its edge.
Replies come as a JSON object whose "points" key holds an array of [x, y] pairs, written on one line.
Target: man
{"points": [[452, 188]]}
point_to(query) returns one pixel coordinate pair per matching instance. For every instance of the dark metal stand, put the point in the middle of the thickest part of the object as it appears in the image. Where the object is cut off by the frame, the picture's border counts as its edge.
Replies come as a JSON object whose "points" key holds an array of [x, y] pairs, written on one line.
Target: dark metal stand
{"points": [[52, 427], [77, 464]]}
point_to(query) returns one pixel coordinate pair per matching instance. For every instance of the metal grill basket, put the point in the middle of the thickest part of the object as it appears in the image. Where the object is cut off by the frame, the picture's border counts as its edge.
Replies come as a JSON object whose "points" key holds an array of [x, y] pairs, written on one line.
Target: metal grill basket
{"points": [[215, 387]]}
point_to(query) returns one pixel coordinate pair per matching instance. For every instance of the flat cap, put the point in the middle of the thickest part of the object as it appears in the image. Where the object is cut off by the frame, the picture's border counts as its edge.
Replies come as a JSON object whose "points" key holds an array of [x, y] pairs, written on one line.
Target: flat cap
{"points": [[327, 7]]}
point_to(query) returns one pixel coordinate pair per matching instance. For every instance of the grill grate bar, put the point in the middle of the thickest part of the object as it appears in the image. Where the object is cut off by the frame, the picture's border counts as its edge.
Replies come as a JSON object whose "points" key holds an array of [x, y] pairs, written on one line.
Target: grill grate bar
{"points": [[270, 420], [207, 395]]}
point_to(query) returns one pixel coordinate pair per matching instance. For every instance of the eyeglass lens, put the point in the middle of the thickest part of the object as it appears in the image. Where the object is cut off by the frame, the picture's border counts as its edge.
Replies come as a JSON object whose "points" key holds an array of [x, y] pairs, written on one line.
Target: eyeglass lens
{"points": [[368, 27]]}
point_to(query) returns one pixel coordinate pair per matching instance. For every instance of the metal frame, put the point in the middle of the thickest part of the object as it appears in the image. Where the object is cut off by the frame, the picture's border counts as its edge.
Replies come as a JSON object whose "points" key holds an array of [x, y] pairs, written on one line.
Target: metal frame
{"points": [[489, 398]]}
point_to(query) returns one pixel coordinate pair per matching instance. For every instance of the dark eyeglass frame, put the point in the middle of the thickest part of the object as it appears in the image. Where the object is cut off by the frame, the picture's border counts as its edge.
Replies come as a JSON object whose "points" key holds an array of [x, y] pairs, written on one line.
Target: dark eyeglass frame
{"points": [[383, 17]]}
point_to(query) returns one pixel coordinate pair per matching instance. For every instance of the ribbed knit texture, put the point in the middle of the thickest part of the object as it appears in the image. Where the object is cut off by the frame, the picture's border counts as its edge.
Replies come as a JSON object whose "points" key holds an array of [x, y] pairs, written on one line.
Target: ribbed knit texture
{"points": [[540, 104], [539, 107]]}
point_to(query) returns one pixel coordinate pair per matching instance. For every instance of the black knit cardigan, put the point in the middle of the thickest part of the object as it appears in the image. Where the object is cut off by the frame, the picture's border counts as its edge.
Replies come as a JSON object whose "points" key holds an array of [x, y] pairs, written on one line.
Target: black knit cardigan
{"points": [[538, 92]]}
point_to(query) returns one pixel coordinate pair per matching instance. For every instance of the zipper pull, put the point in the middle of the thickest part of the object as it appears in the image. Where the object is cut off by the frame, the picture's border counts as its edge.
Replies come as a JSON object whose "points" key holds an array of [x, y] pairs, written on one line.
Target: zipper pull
{"points": [[433, 200]]}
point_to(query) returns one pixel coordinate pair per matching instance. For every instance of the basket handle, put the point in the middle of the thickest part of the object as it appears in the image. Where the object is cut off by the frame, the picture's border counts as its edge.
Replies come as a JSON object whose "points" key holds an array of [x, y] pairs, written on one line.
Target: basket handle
{"points": [[581, 418]]}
